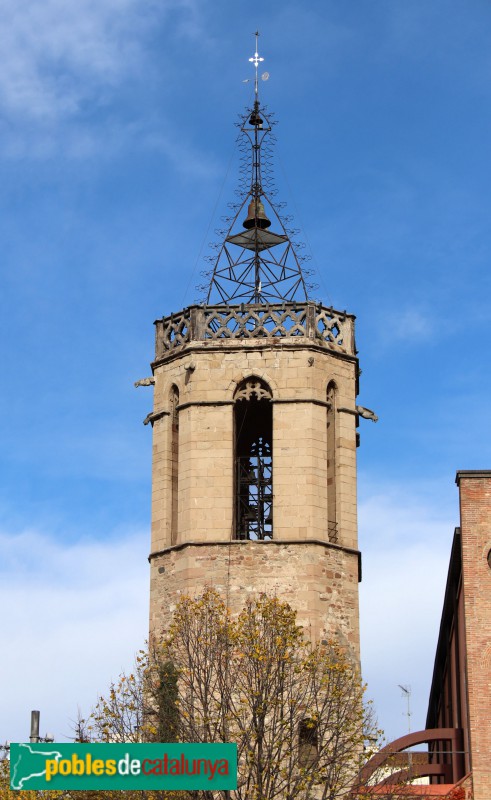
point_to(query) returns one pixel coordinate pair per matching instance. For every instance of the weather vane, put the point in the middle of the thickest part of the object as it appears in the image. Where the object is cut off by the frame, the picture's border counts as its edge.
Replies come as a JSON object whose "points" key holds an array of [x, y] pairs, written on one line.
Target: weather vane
{"points": [[256, 60]]}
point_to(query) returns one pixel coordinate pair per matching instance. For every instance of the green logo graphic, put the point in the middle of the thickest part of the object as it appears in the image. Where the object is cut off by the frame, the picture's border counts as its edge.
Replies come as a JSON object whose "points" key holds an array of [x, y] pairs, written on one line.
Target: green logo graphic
{"points": [[123, 766]]}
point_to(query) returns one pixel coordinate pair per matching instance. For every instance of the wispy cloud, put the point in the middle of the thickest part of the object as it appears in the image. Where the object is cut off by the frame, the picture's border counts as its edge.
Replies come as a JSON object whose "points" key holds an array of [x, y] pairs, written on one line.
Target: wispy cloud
{"points": [[84, 143], [73, 142], [74, 613], [73, 616], [47, 47], [65, 67], [56, 56], [405, 540], [410, 325]]}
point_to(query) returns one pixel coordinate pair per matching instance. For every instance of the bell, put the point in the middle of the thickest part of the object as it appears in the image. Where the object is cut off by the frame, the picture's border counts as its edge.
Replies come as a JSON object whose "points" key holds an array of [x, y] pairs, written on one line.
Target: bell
{"points": [[256, 215], [255, 120]]}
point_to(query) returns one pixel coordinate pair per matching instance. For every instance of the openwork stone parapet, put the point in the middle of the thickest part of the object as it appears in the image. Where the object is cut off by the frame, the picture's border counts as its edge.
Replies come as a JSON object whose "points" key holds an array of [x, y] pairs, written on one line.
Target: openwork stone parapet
{"points": [[290, 322]]}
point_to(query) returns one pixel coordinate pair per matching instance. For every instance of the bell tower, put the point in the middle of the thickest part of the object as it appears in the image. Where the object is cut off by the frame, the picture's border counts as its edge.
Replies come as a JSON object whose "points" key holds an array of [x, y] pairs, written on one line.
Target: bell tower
{"points": [[254, 425]]}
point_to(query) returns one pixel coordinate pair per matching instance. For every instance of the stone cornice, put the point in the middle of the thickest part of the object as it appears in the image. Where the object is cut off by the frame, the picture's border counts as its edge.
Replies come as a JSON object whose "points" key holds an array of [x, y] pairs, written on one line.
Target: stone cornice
{"points": [[246, 542]]}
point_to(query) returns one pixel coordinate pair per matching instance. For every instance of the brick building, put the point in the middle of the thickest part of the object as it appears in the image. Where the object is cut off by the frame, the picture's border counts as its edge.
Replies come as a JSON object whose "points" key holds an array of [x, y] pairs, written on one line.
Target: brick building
{"points": [[458, 724], [460, 694]]}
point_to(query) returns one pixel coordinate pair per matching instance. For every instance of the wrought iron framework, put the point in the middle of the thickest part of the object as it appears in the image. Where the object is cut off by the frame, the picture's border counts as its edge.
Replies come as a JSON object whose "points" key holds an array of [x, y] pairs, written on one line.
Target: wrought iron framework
{"points": [[254, 461], [255, 492], [254, 264]]}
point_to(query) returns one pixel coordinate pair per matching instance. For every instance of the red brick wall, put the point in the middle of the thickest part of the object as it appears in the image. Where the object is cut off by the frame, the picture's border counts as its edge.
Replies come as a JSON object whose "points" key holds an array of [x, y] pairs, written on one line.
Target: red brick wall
{"points": [[475, 515]]}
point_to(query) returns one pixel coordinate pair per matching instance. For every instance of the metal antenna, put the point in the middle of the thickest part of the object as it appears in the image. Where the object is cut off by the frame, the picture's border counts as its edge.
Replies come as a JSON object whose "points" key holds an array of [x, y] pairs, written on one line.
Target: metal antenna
{"points": [[407, 693]]}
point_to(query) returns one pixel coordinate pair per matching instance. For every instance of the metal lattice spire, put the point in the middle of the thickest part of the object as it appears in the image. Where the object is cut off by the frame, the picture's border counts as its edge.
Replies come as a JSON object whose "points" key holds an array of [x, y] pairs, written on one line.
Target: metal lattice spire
{"points": [[254, 264]]}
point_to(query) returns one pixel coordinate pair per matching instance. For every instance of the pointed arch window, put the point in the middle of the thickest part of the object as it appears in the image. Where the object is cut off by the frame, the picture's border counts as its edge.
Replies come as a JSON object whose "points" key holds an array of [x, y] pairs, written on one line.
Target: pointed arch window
{"points": [[308, 742], [331, 463], [174, 461], [253, 414]]}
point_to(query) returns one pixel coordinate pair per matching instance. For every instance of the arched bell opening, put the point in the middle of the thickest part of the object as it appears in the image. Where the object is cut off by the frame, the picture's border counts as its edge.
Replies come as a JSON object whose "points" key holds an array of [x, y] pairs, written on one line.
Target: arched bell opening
{"points": [[174, 460], [332, 525], [308, 742], [253, 417]]}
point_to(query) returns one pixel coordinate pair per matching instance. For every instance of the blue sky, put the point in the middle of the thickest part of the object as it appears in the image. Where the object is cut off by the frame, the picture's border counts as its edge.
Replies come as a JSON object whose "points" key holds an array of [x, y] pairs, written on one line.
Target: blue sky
{"points": [[117, 160]]}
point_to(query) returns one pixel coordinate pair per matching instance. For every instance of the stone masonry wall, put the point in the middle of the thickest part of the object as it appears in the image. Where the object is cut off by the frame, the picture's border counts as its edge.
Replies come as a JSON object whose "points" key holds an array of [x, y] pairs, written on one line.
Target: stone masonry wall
{"points": [[319, 581], [207, 377], [302, 564]]}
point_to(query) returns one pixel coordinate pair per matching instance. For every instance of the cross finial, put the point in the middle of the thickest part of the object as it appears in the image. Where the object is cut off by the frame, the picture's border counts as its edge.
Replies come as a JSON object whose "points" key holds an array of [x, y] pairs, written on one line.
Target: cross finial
{"points": [[256, 60]]}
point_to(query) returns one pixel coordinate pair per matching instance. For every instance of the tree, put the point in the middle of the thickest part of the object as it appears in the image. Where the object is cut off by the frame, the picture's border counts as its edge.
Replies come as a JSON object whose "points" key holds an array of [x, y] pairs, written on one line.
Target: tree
{"points": [[294, 709], [119, 716], [47, 794], [8, 794], [141, 706]]}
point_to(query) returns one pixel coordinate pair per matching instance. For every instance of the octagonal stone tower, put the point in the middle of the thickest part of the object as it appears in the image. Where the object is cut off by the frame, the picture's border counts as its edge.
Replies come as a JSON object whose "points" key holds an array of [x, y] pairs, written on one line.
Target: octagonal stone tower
{"points": [[230, 380], [254, 429]]}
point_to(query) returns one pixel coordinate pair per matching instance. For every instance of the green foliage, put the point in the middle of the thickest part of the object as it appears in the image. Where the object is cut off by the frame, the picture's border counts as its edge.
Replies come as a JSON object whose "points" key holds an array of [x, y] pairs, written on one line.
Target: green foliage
{"points": [[165, 696]]}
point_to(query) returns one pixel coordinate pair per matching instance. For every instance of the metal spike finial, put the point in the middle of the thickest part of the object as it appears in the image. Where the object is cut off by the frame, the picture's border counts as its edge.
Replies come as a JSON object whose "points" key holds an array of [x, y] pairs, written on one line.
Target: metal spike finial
{"points": [[256, 60]]}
